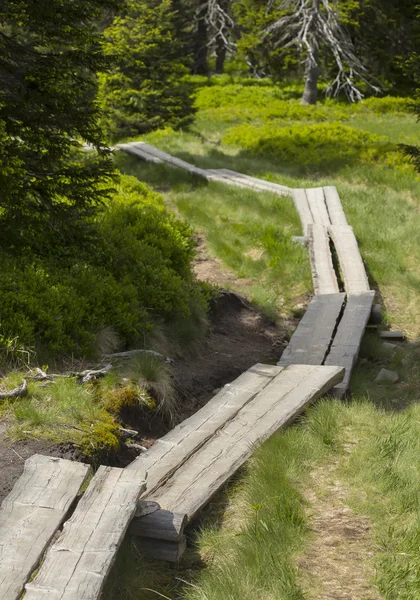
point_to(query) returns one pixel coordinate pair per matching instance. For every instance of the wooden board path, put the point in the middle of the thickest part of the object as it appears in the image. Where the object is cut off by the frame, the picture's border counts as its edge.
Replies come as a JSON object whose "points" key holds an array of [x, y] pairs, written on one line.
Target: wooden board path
{"points": [[316, 201], [346, 344], [76, 565], [311, 340], [31, 514], [208, 469], [351, 263], [323, 274], [176, 447]]}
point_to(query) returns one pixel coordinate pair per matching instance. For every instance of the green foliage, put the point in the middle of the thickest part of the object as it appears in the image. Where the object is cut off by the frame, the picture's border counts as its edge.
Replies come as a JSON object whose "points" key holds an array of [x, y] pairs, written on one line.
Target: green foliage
{"points": [[325, 146], [137, 273], [66, 411], [51, 51], [146, 89]]}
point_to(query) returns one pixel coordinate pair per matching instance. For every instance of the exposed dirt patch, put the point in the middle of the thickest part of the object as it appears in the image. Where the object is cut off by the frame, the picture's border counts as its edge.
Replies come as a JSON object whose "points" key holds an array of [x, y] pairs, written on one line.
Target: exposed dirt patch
{"points": [[238, 337], [214, 271], [339, 561], [13, 456]]}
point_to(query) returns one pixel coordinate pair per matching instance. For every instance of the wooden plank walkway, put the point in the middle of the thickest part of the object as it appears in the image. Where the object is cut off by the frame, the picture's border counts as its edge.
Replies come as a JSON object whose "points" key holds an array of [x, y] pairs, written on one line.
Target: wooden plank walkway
{"points": [[316, 201], [208, 469], [346, 344], [351, 263], [31, 514], [172, 450], [312, 339], [76, 566], [323, 274]]}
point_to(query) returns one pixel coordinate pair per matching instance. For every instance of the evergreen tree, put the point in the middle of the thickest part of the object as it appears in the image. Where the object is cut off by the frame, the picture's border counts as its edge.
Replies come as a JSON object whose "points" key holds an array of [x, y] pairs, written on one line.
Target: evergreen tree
{"points": [[146, 89], [50, 51]]}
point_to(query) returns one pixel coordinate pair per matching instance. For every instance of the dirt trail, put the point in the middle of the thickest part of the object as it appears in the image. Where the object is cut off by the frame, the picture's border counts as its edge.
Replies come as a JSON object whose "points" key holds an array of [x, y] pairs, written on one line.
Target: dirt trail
{"points": [[339, 561]]}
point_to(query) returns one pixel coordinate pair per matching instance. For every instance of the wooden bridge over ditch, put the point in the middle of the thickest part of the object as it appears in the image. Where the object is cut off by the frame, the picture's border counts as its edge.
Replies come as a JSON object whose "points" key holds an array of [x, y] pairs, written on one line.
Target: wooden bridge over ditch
{"points": [[57, 543]]}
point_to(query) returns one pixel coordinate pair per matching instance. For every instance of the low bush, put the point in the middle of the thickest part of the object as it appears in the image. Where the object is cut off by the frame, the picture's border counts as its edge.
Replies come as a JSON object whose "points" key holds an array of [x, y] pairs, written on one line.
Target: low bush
{"points": [[383, 106], [138, 272], [324, 146]]}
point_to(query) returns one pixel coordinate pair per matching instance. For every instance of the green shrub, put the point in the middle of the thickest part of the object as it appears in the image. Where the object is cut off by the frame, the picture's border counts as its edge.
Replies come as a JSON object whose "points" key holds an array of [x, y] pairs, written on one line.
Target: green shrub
{"points": [[138, 273], [383, 106], [323, 146]]}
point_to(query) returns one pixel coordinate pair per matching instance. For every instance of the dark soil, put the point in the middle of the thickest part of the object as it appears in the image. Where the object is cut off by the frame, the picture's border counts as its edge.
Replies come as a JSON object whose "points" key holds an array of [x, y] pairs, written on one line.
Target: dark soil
{"points": [[238, 337]]}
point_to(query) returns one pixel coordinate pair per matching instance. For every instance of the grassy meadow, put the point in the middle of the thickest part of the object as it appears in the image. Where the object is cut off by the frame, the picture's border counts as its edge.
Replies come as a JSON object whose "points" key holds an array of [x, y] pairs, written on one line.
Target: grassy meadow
{"points": [[278, 532]]}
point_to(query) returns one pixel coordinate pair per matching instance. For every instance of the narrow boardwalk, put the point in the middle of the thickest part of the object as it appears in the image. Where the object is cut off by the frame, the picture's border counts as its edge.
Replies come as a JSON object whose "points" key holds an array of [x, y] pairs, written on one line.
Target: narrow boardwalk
{"points": [[167, 486]]}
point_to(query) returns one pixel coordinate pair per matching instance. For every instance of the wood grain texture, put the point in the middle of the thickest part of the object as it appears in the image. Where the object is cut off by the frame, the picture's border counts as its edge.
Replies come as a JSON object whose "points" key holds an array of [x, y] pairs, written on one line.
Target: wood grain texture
{"points": [[310, 342], [302, 206], [254, 182], [316, 201], [168, 158], [76, 565], [31, 514], [160, 525], [193, 485], [323, 274], [334, 206], [346, 345], [139, 152], [162, 549], [171, 451], [351, 263]]}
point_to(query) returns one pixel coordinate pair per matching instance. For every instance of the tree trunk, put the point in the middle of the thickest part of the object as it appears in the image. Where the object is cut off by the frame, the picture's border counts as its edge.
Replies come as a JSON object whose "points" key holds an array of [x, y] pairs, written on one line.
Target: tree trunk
{"points": [[220, 55], [200, 62], [310, 92]]}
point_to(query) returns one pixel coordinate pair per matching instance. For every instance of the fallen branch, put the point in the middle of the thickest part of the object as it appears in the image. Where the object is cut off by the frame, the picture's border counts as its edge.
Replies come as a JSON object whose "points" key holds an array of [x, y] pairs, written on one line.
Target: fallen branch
{"points": [[88, 375], [127, 433], [131, 353], [17, 392]]}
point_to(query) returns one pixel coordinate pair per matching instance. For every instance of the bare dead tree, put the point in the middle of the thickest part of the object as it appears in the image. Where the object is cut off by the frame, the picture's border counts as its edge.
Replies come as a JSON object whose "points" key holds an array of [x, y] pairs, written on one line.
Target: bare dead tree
{"points": [[214, 15], [311, 25]]}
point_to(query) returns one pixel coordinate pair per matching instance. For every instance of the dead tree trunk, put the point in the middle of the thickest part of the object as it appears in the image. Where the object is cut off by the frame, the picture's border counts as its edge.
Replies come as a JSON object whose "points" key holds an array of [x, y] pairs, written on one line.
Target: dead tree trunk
{"points": [[220, 55], [310, 92], [201, 35]]}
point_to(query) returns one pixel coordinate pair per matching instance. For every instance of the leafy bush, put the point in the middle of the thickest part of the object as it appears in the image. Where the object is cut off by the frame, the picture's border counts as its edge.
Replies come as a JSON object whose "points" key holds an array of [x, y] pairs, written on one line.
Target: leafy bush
{"points": [[383, 106], [323, 146], [137, 273], [239, 101]]}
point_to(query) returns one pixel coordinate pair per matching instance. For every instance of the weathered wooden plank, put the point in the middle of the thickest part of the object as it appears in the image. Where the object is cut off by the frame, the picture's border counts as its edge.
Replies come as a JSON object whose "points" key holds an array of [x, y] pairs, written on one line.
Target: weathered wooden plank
{"points": [[302, 206], [193, 485], [318, 207], [139, 152], [31, 514], [77, 564], [162, 549], [334, 206], [171, 451], [351, 263], [312, 338], [254, 182], [346, 344], [168, 158], [323, 274], [160, 525]]}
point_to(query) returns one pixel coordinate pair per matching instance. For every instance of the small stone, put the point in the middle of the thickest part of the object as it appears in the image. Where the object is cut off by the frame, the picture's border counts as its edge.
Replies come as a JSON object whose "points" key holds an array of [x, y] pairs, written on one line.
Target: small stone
{"points": [[300, 239], [394, 334], [389, 345], [387, 376]]}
